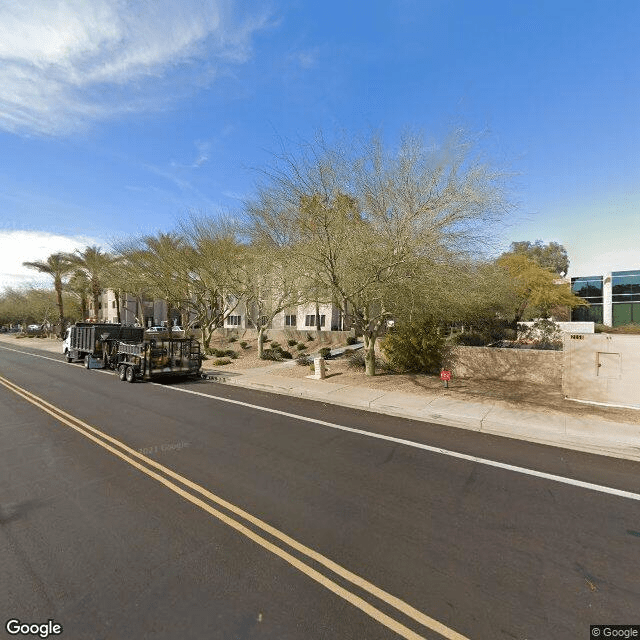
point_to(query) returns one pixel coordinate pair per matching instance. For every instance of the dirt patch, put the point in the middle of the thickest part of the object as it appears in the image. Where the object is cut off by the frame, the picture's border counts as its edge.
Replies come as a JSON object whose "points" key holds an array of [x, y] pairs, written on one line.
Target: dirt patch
{"points": [[538, 397]]}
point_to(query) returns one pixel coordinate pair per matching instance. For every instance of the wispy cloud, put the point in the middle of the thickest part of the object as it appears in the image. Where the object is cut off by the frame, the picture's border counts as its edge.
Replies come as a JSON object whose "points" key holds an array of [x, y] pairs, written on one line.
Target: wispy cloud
{"points": [[17, 247], [66, 63]]}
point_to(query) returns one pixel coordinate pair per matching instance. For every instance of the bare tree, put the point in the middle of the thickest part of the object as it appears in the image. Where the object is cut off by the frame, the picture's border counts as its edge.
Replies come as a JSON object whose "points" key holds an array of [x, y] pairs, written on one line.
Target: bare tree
{"points": [[369, 221], [273, 282]]}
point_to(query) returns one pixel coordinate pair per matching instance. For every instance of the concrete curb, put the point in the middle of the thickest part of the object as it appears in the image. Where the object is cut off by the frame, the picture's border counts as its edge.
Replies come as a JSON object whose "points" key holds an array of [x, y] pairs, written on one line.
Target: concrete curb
{"points": [[591, 435]]}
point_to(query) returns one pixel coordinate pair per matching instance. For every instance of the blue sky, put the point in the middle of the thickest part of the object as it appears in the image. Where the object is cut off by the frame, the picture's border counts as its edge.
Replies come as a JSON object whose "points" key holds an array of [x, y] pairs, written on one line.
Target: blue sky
{"points": [[117, 117]]}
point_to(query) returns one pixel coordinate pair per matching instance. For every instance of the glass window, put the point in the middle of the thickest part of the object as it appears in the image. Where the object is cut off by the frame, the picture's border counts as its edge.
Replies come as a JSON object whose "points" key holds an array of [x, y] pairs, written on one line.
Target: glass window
{"points": [[621, 314], [310, 321], [589, 288], [290, 321], [588, 314], [233, 321]]}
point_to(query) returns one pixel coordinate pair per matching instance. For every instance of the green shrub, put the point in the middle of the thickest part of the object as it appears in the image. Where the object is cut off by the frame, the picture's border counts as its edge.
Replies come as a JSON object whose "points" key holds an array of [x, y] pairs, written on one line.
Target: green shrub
{"points": [[271, 354], [304, 360], [309, 337], [325, 352], [233, 339], [231, 353], [351, 340], [301, 346], [265, 338], [275, 345], [244, 344], [221, 361], [291, 342], [417, 347], [472, 339], [287, 355]]}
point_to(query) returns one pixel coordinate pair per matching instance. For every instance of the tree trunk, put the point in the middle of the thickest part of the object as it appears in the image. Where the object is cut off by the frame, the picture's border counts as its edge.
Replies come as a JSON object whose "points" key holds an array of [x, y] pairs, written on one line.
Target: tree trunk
{"points": [[370, 352], [116, 293], [58, 287], [318, 317], [260, 343], [207, 334], [95, 290]]}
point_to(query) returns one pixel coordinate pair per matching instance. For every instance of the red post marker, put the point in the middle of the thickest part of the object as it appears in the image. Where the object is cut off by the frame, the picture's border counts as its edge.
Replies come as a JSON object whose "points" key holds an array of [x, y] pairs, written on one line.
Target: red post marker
{"points": [[445, 376]]}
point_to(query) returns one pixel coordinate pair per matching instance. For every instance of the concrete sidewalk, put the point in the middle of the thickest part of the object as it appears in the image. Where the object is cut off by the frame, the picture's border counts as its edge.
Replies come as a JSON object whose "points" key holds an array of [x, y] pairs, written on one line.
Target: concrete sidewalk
{"points": [[591, 434]]}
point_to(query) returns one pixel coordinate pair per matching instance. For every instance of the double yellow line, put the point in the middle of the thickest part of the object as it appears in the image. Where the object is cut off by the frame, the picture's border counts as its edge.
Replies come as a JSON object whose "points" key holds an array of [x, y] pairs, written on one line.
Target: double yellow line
{"points": [[135, 459]]}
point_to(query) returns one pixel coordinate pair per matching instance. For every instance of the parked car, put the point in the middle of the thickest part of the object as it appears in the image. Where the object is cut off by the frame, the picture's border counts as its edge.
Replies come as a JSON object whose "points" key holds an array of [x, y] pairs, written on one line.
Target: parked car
{"points": [[34, 327], [156, 330]]}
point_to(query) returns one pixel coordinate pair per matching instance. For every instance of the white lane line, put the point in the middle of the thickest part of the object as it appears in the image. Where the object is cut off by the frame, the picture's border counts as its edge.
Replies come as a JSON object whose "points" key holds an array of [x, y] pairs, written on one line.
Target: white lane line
{"points": [[37, 355], [409, 443], [425, 447]]}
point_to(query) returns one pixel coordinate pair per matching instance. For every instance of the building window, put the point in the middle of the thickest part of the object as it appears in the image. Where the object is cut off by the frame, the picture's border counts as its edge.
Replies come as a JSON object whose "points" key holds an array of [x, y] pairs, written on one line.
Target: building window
{"points": [[590, 289], [233, 321], [113, 304], [310, 321], [289, 321]]}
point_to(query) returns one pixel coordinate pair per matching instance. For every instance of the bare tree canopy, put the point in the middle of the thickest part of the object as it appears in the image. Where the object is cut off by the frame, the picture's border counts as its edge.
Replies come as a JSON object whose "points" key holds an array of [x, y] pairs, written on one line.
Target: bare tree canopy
{"points": [[371, 221]]}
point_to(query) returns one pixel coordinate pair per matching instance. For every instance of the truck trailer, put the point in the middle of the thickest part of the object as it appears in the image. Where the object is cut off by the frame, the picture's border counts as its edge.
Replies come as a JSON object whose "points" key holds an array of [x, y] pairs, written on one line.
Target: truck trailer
{"points": [[153, 358]]}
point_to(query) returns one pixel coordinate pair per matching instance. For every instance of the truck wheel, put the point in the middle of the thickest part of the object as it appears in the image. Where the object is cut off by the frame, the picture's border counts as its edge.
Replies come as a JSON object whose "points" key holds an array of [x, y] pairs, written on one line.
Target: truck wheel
{"points": [[122, 372], [67, 356], [86, 362], [130, 374]]}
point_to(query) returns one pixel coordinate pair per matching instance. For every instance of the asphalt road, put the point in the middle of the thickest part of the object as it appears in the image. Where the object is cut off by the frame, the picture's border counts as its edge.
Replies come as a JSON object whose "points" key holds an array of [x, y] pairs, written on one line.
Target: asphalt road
{"points": [[223, 520]]}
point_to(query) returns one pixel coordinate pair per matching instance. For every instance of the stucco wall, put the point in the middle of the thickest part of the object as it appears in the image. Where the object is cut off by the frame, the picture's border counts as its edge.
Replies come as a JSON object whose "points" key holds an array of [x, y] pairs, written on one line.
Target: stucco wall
{"points": [[602, 368], [516, 365]]}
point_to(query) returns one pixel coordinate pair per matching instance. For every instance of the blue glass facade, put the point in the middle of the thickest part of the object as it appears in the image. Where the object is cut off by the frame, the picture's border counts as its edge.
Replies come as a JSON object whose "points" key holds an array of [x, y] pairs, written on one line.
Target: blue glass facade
{"points": [[591, 289], [625, 297]]}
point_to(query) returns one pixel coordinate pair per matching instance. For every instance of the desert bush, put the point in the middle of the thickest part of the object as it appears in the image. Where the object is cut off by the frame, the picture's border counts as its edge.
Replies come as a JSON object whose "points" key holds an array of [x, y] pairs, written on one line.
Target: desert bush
{"points": [[291, 342], [471, 339], [231, 353], [233, 339], [309, 337], [244, 344], [221, 361], [325, 352], [287, 355], [627, 328], [275, 345], [355, 361], [418, 347], [543, 334], [304, 360], [301, 346], [271, 354], [351, 340]]}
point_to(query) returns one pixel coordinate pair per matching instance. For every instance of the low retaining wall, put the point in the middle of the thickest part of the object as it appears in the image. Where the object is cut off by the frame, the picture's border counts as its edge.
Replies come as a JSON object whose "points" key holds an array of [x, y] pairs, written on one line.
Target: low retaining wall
{"points": [[282, 335], [513, 365]]}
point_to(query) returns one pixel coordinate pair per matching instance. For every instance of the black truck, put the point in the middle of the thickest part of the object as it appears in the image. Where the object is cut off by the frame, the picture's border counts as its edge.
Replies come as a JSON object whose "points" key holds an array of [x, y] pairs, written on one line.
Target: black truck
{"points": [[85, 340]]}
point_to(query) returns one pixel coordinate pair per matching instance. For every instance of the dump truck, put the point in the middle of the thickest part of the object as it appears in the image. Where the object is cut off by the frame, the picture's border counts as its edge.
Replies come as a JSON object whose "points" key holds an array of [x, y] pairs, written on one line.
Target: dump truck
{"points": [[85, 340], [153, 358]]}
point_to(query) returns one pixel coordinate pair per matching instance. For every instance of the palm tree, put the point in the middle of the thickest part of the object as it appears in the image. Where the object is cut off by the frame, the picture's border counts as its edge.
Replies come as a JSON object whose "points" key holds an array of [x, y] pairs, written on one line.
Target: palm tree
{"points": [[95, 264], [57, 265], [80, 286]]}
